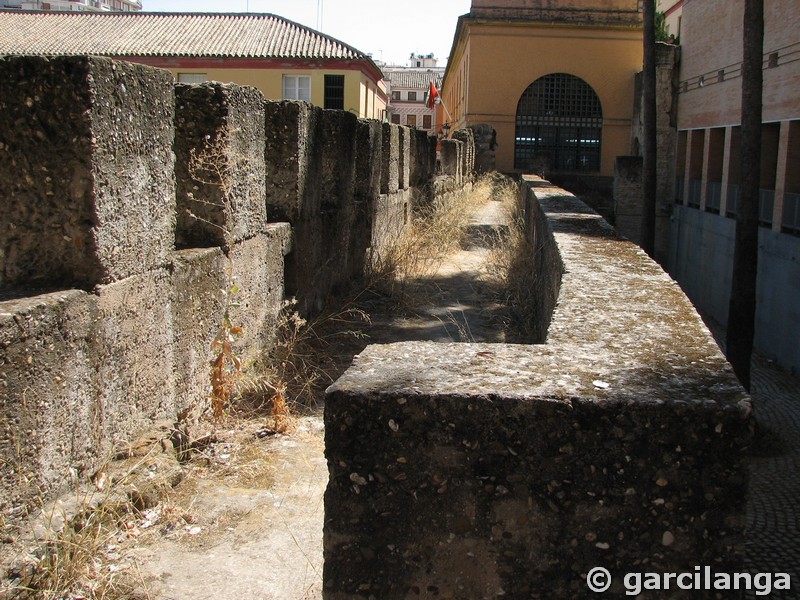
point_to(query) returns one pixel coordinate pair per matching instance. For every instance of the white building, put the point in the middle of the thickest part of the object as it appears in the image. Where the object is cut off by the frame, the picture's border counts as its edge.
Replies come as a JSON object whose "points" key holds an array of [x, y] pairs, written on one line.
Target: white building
{"points": [[408, 89]]}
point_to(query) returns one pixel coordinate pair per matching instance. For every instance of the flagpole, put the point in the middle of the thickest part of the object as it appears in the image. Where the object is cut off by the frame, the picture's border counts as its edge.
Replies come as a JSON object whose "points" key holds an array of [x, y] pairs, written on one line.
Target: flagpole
{"points": [[444, 106], [434, 97]]}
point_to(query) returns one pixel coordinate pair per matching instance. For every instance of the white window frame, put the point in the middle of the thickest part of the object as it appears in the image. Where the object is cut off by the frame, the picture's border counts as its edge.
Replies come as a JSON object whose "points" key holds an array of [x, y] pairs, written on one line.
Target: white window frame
{"points": [[192, 77], [293, 90]]}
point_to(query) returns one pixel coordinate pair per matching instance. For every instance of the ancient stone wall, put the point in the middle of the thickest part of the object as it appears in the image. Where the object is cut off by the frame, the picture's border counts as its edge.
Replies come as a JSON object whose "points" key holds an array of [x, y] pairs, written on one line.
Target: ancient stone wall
{"points": [[485, 138], [628, 197], [115, 256], [488, 470]]}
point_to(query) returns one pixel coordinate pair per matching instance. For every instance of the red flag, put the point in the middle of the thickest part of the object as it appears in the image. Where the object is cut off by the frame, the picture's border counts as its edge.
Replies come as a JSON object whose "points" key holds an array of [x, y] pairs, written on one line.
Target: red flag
{"points": [[433, 94]]}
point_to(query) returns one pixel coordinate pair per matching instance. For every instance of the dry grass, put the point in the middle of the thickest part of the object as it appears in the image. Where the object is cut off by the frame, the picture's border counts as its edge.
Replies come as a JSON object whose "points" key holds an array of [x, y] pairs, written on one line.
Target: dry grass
{"points": [[76, 551], [400, 268], [512, 263], [298, 368]]}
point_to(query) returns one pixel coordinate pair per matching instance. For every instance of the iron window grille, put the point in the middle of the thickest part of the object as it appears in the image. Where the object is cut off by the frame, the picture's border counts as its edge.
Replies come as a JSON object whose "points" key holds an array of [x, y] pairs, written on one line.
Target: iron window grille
{"points": [[559, 124], [334, 92]]}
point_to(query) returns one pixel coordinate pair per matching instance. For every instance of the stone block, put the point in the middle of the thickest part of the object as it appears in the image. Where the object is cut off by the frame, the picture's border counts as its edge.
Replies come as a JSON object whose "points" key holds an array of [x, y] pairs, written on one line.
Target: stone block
{"points": [[452, 157], [47, 397], [404, 162], [390, 161], [369, 146], [468, 151], [367, 190], [290, 128], [199, 281], [628, 198], [220, 164], [423, 158], [389, 220], [134, 353], [477, 470], [485, 470], [485, 147], [87, 180]]}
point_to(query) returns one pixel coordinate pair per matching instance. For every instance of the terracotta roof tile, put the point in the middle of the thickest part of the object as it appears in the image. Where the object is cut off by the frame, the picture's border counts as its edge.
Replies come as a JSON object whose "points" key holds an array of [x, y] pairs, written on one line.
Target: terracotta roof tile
{"points": [[166, 34], [413, 78]]}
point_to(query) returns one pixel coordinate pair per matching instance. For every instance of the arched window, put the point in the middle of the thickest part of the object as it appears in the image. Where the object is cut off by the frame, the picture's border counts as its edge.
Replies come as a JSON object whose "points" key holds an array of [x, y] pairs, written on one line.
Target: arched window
{"points": [[558, 125]]}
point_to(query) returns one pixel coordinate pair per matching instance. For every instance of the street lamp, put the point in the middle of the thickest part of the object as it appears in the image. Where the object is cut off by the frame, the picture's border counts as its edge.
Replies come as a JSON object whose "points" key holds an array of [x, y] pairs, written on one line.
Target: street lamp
{"points": [[446, 130]]}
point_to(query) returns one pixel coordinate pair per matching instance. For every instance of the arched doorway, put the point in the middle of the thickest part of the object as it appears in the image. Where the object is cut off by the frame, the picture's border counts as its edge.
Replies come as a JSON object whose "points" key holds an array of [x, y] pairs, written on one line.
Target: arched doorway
{"points": [[558, 126]]}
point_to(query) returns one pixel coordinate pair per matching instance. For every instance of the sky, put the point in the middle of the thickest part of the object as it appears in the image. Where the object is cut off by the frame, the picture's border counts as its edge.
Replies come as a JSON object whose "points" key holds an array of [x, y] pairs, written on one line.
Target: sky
{"points": [[390, 30]]}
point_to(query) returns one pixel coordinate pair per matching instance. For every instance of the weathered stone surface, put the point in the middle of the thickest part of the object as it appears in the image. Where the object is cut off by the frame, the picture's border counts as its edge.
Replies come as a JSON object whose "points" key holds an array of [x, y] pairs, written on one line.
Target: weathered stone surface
{"points": [[369, 146], [290, 128], [313, 185], [467, 151], [390, 162], [220, 168], [391, 217], [423, 158], [87, 183], [199, 283], [628, 197], [485, 145], [667, 58], [404, 163], [452, 157], [134, 354], [80, 370], [48, 392], [477, 470]]}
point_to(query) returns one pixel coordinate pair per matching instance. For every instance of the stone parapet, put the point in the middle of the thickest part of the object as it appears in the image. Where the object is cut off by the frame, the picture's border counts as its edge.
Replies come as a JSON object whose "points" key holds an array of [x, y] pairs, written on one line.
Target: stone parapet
{"points": [[481, 470], [390, 162], [289, 130], [88, 189], [88, 192], [628, 199], [452, 158], [219, 164]]}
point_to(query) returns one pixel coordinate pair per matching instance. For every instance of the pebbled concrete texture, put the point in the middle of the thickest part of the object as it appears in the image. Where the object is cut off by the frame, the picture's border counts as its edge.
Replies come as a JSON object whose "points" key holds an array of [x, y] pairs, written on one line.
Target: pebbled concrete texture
{"points": [[475, 470], [88, 191]]}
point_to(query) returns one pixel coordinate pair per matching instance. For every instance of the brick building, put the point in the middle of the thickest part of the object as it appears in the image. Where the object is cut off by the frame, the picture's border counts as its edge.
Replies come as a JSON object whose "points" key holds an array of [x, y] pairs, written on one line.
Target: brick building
{"points": [[707, 167]]}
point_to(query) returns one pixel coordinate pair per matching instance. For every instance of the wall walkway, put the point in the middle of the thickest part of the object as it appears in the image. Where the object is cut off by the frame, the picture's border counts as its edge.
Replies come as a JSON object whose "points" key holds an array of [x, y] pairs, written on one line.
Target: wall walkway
{"points": [[477, 470]]}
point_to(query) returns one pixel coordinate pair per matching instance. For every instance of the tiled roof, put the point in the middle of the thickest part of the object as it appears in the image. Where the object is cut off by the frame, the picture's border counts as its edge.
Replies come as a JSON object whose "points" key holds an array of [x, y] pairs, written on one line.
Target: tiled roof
{"points": [[413, 78], [237, 35]]}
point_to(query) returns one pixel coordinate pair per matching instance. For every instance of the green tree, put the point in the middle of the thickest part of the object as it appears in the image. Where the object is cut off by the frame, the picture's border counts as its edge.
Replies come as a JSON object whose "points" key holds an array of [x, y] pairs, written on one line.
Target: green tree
{"points": [[742, 307], [662, 35]]}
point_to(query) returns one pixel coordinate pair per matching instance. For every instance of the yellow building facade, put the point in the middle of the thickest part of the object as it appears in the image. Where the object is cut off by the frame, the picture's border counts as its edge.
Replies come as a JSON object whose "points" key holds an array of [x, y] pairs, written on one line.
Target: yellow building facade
{"points": [[555, 80], [283, 59], [364, 89]]}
